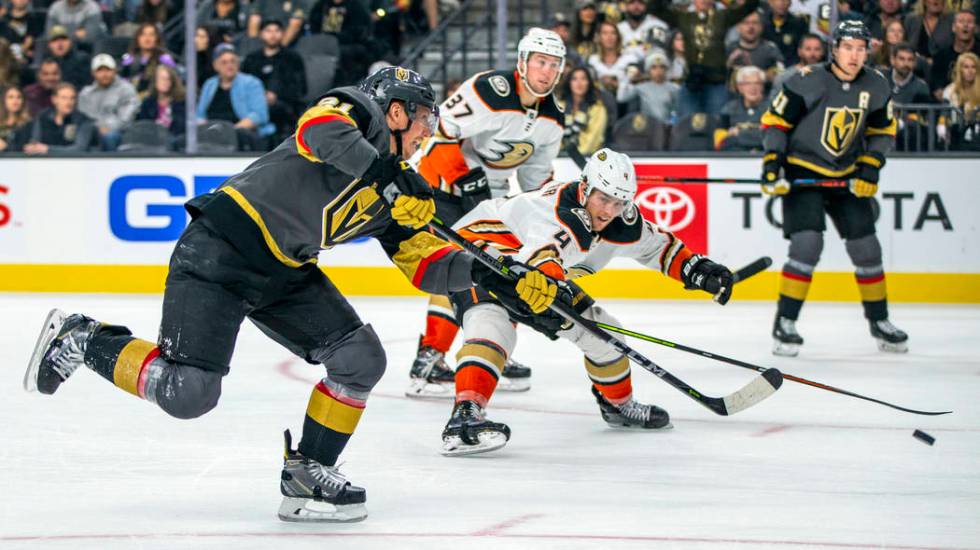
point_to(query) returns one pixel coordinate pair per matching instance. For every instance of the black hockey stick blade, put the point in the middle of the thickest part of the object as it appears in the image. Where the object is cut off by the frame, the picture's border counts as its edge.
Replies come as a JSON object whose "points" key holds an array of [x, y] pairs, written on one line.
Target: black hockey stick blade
{"points": [[576, 156], [765, 371], [753, 268], [759, 389]]}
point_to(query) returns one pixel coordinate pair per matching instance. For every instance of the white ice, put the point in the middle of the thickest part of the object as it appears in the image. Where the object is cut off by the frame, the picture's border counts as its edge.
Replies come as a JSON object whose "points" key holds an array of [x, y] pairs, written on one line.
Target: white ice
{"points": [[93, 467]]}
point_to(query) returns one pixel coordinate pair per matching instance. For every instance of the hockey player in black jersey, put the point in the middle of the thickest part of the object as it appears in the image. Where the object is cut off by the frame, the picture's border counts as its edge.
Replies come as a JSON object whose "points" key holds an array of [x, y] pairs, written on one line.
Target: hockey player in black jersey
{"points": [[251, 251], [831, 121]]}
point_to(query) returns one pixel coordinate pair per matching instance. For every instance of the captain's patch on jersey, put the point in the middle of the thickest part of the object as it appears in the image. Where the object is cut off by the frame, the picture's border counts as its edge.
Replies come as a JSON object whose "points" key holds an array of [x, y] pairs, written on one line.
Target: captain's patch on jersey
{"points": [[840, 126], [500, 85]]}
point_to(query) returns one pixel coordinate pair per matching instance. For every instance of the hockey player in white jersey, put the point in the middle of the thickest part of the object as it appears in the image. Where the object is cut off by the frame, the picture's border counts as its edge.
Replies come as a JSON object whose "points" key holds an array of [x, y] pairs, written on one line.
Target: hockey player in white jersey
{"points": [[565, 230], [498, 123]]}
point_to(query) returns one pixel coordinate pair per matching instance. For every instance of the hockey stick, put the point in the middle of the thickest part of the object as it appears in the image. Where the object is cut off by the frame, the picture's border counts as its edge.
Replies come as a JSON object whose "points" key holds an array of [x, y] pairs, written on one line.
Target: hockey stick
{"points": [[743, 364], [753, 268], [806, 182], [755, 391]]}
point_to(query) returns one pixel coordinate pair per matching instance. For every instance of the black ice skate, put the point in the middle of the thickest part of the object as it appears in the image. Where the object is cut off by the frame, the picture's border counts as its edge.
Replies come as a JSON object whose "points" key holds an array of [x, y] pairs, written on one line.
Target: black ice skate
{"points": [[430, 376], [889, 337], [317, 493], [632, 414], [59, 351], [515, 377], [469, 432], [786, 341]]}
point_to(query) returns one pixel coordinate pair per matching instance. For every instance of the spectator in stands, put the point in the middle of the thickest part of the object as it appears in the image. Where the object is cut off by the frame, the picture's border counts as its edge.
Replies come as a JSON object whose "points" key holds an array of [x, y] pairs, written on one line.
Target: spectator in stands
{"points": [[585, 114], [351, 23], [282, 73], [785, 29], [810, 52], [222, 16], [290, 12], [658, 96], [964, 91], [139, 64], [387, 29], [610, 61], [110, 101], [739, 128], [678, 64], [237, 98], [81, 19], [61, 128], [930, 28], [704, 31], [165, 104], [205, 40], [584, 28], [156, 12], [74, 62], [21, 25], [753, 50], [38, 95], [13, 118], [964, 40], [877, 22], [906, 87], [563, 28], [642, 32], [10, 66]]}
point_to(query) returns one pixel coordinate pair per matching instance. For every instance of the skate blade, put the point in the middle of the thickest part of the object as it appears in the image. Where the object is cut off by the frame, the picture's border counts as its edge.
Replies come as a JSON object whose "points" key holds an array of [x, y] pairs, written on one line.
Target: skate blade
{"points": [[52, 324], [635, 428], [421, 389], [301, 510], [489, 441], [513, 384], [892, 347], [783, 349]]}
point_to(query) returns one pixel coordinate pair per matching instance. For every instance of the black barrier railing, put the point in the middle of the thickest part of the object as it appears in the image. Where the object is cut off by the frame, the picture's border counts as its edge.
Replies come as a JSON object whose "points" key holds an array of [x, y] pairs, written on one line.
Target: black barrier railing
{"points": [[441, 36], [930, 128]]}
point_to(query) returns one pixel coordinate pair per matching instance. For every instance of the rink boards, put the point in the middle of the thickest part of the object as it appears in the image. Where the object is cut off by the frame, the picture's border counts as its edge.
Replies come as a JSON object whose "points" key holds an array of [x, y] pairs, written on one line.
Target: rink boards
{"points": [[109, 225]]}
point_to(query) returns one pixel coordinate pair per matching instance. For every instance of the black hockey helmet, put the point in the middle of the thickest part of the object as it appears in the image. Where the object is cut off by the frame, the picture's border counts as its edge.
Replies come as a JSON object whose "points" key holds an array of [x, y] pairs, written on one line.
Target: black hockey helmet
{"points": [[402, 84], [852, 28]]}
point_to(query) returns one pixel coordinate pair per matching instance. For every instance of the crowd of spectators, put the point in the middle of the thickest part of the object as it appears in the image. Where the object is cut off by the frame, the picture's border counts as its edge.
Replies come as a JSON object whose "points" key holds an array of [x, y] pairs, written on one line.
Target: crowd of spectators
{"points": [[99, 75]]}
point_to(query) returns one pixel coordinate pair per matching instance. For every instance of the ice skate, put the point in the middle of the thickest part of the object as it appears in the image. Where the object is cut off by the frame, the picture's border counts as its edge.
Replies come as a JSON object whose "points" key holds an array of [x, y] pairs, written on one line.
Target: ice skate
{"points": [[316, 493], [430, 376], [786, 341], [515, 377], [632, 414], [469, 432], [889, 337], [59, 351]]}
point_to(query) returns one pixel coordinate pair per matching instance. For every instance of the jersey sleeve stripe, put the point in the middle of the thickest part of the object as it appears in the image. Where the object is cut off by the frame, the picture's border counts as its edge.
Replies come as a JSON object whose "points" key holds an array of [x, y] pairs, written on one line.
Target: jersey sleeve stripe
{"points": [[890, 130], [769, 120], [314, 116]]}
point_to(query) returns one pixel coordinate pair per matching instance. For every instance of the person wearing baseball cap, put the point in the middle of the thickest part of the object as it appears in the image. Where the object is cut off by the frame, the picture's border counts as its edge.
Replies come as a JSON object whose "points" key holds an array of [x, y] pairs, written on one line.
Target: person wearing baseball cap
{"points": [[658, 96], [74, 63], [110, 101], [238, 98]]}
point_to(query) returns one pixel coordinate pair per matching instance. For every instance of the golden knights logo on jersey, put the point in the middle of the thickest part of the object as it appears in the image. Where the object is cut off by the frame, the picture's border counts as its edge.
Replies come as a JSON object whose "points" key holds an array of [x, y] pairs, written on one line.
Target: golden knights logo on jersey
{"points": [[840, 126], [510, 154], [349, 212]]}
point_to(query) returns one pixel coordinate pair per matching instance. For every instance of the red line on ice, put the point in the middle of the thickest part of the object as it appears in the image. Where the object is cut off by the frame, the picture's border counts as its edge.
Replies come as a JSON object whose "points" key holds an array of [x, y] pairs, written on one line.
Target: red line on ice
{"points": [[497, 529]]}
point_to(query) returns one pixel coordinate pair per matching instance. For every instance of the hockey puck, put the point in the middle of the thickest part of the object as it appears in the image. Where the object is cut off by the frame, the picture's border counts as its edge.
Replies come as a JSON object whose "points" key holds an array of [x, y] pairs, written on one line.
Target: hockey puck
{"points": [[923, 437]]}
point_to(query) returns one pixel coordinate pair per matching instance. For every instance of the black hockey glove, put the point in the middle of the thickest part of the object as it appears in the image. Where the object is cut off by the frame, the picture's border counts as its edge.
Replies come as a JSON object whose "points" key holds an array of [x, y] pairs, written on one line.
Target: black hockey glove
{"points": [[773, 182], [505, 291], [383, 170], [864, 181], [715, 279], [474, 188]]}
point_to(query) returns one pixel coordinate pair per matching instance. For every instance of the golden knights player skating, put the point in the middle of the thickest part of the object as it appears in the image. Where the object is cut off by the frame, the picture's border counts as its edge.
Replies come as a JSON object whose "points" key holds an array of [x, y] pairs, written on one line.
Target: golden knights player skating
{"points": [[498, 124], [831, 121], [251, 251]]}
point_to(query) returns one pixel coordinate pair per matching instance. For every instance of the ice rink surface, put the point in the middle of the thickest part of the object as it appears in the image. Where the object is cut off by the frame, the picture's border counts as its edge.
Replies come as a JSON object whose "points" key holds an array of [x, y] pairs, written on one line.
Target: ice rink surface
{"points": [[94, 467]]}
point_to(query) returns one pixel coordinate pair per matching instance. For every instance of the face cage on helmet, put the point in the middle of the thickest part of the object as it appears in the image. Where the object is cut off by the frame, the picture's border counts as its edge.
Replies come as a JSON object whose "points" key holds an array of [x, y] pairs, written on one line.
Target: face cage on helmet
{"points": [[522, 61]]}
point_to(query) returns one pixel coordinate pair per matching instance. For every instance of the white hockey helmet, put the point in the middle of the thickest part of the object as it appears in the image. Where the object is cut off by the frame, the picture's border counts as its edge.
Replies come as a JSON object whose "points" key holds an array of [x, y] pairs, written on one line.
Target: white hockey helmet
{"points": [[612, 173], [538, 40]]}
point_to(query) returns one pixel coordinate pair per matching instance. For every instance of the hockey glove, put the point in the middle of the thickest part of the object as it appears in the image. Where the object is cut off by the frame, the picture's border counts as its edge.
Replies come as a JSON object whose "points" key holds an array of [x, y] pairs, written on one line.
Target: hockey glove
{"points": [[865, 180], [532, 290], [474, 188], [715, 279], [408, 194], [773, 182]]}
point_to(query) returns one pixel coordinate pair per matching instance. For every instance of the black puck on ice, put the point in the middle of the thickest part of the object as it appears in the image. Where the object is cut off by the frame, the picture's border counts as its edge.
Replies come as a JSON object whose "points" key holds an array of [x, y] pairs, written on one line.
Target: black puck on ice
{"points": [[923, 437]]}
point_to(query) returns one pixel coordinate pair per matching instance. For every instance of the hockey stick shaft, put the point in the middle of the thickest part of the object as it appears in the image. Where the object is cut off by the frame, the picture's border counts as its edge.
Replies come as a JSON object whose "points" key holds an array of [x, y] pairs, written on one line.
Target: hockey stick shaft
{"points": [[795, 183], [754, 392], [752, 269], [743, 364]]}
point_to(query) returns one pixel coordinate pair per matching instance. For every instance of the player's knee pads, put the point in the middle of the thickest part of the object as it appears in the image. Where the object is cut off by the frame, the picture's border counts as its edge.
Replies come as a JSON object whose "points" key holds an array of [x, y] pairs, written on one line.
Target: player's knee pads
{"points": [[864, 251], [596, 349], [491, 322], [356, 360], [185, 392], [805, 248]]}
